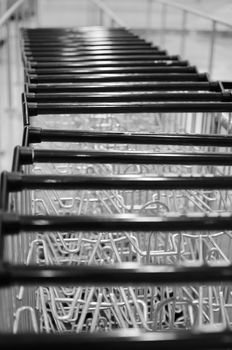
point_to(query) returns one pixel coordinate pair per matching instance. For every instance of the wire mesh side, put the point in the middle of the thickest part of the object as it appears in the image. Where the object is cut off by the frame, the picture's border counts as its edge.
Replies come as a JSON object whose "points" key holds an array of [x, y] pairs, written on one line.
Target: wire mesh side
{"points": [[142, 122]]}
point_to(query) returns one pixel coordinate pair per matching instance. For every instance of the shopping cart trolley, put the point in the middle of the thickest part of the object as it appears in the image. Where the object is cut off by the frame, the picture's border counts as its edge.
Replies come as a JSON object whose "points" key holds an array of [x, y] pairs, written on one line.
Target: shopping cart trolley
{"points": [[158, 254], [159, 116], [174, 307], [124, 221]]}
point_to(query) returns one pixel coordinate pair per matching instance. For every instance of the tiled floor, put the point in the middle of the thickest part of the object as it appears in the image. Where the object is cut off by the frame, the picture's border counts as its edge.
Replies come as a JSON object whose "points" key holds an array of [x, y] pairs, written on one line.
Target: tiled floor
{"points": [[11, 125]]}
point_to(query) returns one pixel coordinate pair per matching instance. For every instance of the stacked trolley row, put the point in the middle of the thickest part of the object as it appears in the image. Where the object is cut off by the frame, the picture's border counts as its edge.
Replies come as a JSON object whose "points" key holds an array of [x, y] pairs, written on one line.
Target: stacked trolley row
{"points": [[117, 212]]}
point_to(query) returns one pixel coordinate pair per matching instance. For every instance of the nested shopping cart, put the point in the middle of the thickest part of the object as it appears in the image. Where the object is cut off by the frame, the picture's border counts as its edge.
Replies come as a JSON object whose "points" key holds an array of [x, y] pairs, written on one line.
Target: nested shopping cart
{"points": [[116, 216]]}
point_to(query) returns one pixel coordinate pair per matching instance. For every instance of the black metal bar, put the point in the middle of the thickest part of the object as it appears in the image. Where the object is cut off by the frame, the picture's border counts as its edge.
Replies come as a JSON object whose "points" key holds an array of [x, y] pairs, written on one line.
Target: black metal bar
{"points": [[114, 77], [135, 57], [89, 64], [34, 109], [41, 40], [54, 42], [87, 40], [13, 223], [127, 96], [92, 30], [38, 38], [37, 135], [227, 85], [108, 70], [75, 30], [74, 44], [29, 155], [123, 86], [93, 53], [16, 159], [95, 34], [79, 38], [80, 35], [124, 274], [18, 182], [129, 339], [29, 136], [4, 191], [63, 50]]}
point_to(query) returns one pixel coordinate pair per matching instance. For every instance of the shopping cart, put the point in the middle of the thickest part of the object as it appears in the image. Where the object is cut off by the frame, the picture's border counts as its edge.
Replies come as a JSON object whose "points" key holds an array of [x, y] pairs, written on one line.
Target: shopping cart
{"points": [[116, 216], [164, 248], [148, 305]]}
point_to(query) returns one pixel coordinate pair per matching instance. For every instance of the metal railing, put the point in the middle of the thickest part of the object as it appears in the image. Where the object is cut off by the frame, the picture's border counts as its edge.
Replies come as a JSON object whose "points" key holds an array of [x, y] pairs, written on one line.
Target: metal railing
{"points": [[19, 12], [16, 16], [105, 11], [103, 15], [186, 11]]}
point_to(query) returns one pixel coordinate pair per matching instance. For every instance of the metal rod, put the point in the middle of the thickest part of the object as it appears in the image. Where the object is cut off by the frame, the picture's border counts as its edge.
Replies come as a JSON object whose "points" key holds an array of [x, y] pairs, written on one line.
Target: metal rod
{"points": [[125, 274], [123, 182], [129, 339], [37, 135], [13, 224], [24, 14], [101, 14], [125, 107], [212, 46], [123, 96], [193, 11], [103, 157], [10, 11], [148, 17], [163, 24], [183, 36], [92, 52], [123, 86], [114, 77], [86, 58], [9, 71], [109, 12], [38, 12], [102, 64], [70, 49], [17, 47], [108, 70], [74, 45]]}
